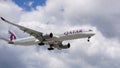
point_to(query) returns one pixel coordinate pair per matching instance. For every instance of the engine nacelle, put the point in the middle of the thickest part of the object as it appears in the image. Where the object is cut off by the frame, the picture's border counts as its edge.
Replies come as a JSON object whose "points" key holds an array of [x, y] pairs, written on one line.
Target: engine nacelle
{"points": [[51, 35], [65, 46], [47, 36]]}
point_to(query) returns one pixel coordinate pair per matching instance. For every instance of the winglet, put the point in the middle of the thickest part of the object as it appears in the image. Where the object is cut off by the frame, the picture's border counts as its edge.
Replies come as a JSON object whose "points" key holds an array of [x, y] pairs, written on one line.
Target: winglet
{"points": [[2, 18]]}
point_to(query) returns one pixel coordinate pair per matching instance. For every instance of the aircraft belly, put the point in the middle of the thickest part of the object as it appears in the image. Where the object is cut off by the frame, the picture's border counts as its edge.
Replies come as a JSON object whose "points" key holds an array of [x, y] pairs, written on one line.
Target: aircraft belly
{"points": [[26, 41]]}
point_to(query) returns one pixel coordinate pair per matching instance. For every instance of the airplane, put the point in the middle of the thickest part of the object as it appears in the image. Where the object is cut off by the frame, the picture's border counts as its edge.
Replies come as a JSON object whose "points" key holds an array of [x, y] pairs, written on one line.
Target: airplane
{"points": [[54, 41]]}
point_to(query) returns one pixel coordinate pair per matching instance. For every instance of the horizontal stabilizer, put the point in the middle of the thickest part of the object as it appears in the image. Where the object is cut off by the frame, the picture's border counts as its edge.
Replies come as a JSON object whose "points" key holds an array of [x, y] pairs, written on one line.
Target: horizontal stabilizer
{"points": [[4, 39]]}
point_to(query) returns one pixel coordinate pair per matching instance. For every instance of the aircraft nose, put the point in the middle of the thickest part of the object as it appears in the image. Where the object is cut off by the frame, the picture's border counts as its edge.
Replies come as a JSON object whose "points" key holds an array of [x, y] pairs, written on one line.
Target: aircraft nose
{"points": [[92, 34]]}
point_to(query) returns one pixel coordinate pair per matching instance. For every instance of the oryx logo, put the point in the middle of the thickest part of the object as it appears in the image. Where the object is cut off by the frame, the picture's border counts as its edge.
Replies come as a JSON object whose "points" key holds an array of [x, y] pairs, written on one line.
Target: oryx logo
{"points": [[12, 36]]}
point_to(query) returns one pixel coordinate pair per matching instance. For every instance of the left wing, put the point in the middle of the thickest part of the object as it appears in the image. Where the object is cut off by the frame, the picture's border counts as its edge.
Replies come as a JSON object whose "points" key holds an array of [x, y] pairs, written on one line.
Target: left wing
{"points": [[36, 34]]}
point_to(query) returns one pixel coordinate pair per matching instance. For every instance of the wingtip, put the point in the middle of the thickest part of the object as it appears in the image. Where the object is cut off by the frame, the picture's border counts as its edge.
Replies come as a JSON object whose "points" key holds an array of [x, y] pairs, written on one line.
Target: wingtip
{"points": [[2, 18]]}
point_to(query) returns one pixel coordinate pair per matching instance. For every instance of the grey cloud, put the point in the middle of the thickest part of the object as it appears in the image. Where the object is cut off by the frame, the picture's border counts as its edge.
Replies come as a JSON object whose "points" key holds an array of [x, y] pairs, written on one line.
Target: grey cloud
{"points": [[10, 58], [106, 26], [106, 18], [101, 61], [77, 56], [104, 15]]}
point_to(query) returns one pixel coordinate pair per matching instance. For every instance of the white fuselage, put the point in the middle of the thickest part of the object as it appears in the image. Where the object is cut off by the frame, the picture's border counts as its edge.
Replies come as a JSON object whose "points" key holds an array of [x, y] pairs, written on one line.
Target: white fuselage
{"points": [[54, 41], [61, 37], [26, 41]]}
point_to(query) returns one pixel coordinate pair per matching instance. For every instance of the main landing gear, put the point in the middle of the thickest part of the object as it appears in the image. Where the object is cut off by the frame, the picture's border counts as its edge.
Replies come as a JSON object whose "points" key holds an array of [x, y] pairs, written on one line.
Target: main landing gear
{"points": [[89, 39], [51, 47], [41, 44]]}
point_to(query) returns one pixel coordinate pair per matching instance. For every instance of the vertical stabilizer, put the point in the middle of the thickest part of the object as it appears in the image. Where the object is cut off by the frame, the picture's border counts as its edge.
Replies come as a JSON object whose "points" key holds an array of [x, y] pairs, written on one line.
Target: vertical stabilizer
{"points": [[12, 36]]}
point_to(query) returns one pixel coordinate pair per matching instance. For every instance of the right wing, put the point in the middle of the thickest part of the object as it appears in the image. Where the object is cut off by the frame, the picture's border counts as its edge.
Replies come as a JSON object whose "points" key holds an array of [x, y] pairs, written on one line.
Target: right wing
{"points": [[36, 34]]}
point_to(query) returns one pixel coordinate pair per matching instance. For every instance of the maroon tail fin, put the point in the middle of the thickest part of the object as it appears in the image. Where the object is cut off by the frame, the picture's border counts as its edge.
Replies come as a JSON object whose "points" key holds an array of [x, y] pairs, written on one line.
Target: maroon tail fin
{"points": [[12, 36]]}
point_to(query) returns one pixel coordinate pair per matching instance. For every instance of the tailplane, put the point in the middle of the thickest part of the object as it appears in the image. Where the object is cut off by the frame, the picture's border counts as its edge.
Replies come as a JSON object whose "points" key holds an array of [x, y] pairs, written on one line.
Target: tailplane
{"points": [[4, 39], [11, 38]]}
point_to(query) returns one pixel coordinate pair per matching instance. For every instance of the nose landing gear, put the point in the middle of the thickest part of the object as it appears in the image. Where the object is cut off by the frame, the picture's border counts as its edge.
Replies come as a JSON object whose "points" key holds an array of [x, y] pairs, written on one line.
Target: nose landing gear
{"points": [[89, 39]]}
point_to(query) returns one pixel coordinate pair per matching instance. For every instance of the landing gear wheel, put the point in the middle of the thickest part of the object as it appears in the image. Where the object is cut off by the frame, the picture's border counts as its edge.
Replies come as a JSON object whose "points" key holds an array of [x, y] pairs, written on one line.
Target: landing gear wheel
{"points": [[41, 44], [50, 48], [89, 39]]}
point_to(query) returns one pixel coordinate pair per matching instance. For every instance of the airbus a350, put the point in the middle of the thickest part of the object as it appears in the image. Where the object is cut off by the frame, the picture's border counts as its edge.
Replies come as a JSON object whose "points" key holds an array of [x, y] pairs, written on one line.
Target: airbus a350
{"points": [[54, 41]]}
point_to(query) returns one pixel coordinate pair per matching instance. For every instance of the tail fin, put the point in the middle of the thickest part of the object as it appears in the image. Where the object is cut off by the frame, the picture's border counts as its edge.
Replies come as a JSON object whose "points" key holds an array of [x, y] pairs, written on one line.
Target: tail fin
{"points": [[12, 36]]}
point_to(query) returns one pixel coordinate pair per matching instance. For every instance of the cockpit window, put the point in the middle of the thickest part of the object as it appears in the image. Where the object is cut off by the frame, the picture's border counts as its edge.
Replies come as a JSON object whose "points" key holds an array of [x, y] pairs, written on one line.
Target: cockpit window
{"points": [[90, 30]]}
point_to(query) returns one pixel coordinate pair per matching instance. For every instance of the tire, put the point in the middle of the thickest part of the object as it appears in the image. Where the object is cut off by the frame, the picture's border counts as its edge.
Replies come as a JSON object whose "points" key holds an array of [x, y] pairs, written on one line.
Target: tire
{"points": [[50, 48]]}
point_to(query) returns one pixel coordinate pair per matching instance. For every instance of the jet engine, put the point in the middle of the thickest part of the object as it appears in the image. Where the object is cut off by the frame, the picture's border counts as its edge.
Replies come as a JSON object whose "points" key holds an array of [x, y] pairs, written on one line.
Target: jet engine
{"points": [[65, 46], [47, 36]]}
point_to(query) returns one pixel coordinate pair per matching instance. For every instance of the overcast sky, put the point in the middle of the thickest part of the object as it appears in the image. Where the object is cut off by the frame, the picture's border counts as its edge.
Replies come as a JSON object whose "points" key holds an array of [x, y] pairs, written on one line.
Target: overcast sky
{"points": [[57, 16]]}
